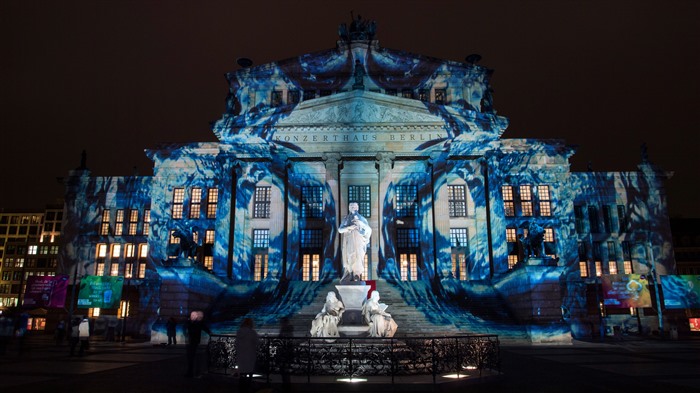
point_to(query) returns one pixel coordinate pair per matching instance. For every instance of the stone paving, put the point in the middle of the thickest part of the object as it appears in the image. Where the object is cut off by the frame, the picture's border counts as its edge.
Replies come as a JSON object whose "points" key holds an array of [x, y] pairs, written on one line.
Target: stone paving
{"points": [[631, 366]]}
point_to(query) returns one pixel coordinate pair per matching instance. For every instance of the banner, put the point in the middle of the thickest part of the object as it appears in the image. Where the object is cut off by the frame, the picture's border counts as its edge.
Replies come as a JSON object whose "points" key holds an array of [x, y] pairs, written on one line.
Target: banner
{"points": [[100, 292], [681, 291], [46, 291], [626, 290]]}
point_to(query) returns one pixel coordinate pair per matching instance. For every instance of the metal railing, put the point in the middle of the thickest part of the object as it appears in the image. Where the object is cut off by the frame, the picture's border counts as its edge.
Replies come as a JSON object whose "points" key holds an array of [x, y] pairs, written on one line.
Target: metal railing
{"points": [[352, 357]]}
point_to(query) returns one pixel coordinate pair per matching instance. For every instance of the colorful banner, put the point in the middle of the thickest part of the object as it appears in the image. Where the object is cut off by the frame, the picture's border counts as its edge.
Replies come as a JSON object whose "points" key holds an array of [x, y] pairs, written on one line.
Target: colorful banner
{"points": [[626, 290], [681, 291], [46, 291], [694, 324], [100, 292]]}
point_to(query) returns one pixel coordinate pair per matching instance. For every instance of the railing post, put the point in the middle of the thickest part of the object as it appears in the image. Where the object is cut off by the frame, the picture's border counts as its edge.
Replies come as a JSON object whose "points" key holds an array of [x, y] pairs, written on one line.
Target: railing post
{"points": [[350, 356], [393, 360], [432, 341], [308, 361]]}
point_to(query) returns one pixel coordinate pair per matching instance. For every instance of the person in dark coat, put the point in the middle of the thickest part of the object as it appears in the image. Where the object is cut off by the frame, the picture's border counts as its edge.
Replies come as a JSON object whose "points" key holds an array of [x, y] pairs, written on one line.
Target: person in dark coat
{"points": [[171, 328], [246, 354], [195, 326]]}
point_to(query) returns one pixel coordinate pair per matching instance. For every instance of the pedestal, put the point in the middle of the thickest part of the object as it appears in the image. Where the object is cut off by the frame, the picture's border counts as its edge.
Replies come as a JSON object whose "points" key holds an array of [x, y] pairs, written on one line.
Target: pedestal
{"points": [[353, 296]]}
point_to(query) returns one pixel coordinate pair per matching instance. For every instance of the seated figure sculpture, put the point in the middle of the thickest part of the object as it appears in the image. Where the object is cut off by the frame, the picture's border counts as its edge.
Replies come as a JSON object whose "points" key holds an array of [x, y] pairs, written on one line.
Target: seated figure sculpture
{"points": [[381, 324], [326, 322]]}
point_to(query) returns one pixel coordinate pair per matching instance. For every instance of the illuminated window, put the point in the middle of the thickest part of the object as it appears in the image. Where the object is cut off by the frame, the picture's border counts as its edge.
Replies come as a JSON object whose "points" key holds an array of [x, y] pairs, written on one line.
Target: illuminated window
{"points": [[260, 267], [195, 202], [209, 262], [114, 269], [440, 96], [612, 267], [212, 202], [406, 201], [508, 206], [129, 250], [627, 265], [209, 236], [407, 93], [312, 202], [101, 250], [100, 269], [104, 227], [512, 261], [142, 270], [133, 221], [116, 250], [143, 250], [311, 242], [119, 223], [458, 237], [146, 222], [261, 238], [128, 270], [423, 95], [583, 267], [408, 263], [511, 235], [598, 268], [549, 235], [261, 202], [32, 250], [276, 98], [459, 266], [362, 196], [178, 201], [172, 238], [310, 267], [526, 199], [545, 200], [457, 200]]}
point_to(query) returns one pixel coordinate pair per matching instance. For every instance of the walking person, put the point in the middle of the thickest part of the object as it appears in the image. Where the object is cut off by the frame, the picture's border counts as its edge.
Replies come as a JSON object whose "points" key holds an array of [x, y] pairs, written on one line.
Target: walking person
{"points": [[195, 326], [246, 353], [84, 336], [60, 332], [171, 328], [74, 335]]}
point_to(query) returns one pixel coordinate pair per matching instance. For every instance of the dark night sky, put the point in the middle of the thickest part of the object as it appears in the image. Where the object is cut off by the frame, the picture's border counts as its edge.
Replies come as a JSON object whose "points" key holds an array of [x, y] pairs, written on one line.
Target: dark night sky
{"points": [[116, 77]]}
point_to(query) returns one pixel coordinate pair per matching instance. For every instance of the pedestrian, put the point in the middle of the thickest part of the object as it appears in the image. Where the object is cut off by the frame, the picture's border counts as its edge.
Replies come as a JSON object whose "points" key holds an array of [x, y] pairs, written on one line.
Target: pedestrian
{"points": [[194, 336], [246, 354], [84, 336], [171, 328], [60, 332], [74, 335], [287, 353]]}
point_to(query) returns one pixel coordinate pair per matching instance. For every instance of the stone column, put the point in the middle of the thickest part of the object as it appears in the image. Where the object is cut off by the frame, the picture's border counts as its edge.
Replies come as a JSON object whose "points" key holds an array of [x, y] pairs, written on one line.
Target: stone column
{"points": [[332, 162], [385, 164]]}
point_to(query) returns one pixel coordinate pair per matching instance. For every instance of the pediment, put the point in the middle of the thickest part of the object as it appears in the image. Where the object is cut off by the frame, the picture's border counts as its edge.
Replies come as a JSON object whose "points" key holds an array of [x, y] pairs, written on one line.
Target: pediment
{"points": [[360, 108]]}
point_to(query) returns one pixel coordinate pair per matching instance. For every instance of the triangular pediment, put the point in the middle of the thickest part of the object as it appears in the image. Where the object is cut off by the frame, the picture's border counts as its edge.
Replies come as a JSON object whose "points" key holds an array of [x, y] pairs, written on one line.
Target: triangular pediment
{"points": [[360, 108]]}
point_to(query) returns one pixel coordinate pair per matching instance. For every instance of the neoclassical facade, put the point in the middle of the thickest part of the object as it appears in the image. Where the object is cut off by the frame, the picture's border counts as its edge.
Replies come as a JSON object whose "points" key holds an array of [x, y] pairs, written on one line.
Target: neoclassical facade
{"points": [[455, 207]]}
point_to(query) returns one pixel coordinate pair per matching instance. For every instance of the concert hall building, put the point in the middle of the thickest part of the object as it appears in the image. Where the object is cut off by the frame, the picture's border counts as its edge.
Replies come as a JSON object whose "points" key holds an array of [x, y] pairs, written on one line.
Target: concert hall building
{"points": [[473, 230]]}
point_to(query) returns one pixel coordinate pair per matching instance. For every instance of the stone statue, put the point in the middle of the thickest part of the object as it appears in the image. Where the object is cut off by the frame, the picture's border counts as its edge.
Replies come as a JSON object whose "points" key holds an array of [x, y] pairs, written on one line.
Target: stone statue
{"points": [[326, 322], [356, 234], [359, 76], [381, 324]]}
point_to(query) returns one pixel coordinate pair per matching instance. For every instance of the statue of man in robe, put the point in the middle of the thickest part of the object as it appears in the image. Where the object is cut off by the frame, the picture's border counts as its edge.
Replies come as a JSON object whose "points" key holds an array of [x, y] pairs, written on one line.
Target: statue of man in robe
{"points": [[356, 232]]}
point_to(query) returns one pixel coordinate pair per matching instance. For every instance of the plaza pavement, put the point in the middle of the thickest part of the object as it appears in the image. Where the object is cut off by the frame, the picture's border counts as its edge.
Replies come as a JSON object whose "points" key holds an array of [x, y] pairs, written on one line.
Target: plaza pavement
{"points": [[631, 366]]}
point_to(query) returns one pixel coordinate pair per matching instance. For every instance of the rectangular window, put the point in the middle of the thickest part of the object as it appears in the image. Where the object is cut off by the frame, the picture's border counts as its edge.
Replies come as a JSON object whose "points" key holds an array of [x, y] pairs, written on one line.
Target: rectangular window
{"points": [[276, 98], [293, 96], [312, 202], [325, 93], [511, 235], [545, 200], [406, 201], [622, 218], [133, 221], [578, 215], [311, 238], [129, 270], [142, 270], [212, 202], [457, 200], [116, 251], [459, 265], [195, 202], [261, 202], [361, 195], [598, 268], [549, 235], [612, 267], [209, 262], [508, 206], [458, 237], [260, 267], [209, 236], [32, 250], [146, 222], [261, 238], [407, 93], [104, 227], [310, 264], [178, 201], [101, 250], [512, 261], [119, 223], [100, 269], [627, 257], [593, 219], [114, 269], [408, 263], [440, 96], [143, 250], [583, 266], [407, 238], [129, 250], [309, 94], [391, 92], [423, 95], [526, 199], [612, 254], [628, 267], [607, 219]]}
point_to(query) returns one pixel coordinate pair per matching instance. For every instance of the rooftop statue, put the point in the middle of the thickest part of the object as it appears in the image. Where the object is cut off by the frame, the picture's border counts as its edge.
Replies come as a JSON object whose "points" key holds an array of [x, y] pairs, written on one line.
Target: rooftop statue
{"points": [[360, 29]]}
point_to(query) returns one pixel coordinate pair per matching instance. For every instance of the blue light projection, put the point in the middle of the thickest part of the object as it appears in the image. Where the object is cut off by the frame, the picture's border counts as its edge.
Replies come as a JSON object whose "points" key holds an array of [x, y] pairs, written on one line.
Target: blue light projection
{"points": [[454, 137]]}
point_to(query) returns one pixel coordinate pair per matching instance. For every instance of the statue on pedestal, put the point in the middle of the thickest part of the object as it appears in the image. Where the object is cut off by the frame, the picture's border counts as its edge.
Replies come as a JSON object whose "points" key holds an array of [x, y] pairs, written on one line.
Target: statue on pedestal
{"points": [[356, 233], [326, 322], [381, 324]]}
